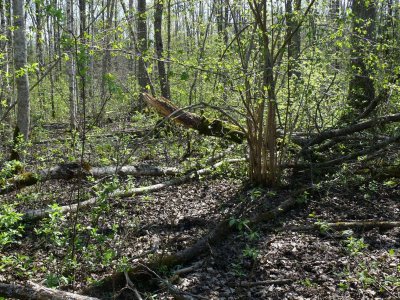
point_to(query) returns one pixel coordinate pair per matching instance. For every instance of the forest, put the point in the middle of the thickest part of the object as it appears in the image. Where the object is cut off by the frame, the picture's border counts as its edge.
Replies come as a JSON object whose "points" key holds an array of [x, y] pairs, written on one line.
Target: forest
{"points": [[211, 149]]}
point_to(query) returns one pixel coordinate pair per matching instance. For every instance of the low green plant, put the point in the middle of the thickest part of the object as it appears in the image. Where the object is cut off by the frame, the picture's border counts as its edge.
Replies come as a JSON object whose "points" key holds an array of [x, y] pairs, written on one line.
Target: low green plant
{"points": [[52, 227], [251, 253], [10, 227], [323, 226]]}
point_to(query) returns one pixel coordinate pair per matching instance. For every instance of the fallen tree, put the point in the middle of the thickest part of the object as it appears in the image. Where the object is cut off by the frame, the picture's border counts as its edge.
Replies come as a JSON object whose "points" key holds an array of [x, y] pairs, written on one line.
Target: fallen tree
{"points": [[41, 213], [75, 170], [363, 225], [335, 133], [359, 225], [33, 291], [215, 236], [205, 126]]}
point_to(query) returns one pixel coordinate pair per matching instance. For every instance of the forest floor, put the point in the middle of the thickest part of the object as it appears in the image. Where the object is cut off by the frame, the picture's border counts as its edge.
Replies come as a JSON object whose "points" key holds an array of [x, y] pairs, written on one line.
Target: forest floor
{"points": [[297, 256]]}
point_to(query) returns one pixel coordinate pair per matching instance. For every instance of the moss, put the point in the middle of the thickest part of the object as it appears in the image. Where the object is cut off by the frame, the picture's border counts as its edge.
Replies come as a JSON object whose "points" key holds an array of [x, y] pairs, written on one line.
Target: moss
{"points": [[220, 128], [25, 178]]}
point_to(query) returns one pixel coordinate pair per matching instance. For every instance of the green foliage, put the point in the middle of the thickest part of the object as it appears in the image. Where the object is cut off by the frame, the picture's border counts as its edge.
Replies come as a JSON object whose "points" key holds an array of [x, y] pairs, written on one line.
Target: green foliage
{"points": [[52, 228], [9, 169], [10, 228], [355, 246]]}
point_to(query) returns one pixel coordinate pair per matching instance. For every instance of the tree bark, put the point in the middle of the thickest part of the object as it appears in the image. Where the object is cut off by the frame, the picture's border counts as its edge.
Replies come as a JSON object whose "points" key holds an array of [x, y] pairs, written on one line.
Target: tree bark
{"points": [[74, 170], [333, 133], [20, 61], [211, 127], [361, 86], [143, 78], [71, 68], [162, 74], [33, 291]]}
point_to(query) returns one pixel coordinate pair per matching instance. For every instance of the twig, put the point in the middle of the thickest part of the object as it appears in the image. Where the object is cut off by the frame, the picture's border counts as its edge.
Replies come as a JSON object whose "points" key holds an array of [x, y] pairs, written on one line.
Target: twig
{"points": [[265, 282], [131, 286]]}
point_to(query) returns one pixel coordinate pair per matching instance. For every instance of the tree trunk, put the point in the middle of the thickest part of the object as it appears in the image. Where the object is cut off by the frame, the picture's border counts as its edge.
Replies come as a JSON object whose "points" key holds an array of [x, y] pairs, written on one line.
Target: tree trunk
{"points": [[143, 79], [162, 74], [71, 68], [20, 61], [294, 33], [106, 63], [39, 50], [361, 86]]}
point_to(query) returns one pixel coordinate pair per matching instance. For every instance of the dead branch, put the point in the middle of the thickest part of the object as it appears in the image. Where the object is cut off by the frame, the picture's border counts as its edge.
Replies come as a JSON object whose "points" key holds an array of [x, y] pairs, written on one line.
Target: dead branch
{"points": [[205, 126], [41, 213], [333, 133], [265, 282], [215, 236], [361, 225], [351, 156], [34, 291], [342, 225]]}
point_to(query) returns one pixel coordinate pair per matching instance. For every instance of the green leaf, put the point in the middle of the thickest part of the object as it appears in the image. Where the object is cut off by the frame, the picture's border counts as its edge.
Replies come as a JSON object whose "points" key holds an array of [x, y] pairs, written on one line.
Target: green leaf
{"points": [[184, 76]]}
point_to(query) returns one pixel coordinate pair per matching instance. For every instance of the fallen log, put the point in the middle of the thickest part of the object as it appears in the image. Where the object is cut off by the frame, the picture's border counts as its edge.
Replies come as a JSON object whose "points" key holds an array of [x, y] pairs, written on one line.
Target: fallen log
{"points": [[74, 170], [343, 225], [205, 126], [134, 133], [360, 225], [336, 161], [41, 213], [33, 291], [334, 133], [215, 236]]}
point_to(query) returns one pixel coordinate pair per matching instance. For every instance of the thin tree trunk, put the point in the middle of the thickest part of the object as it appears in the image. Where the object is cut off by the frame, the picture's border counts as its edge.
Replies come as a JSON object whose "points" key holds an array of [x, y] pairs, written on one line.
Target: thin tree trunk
{"points": [[71, 68], [294, 43], [20, 62], [106, 63], [143, 80], [162, 74], [39, 49]]}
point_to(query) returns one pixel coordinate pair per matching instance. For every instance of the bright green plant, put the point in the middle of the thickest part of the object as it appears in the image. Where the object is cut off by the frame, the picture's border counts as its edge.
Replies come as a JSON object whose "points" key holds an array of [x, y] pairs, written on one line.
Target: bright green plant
{"points": [[10, 228], [52, 227]]}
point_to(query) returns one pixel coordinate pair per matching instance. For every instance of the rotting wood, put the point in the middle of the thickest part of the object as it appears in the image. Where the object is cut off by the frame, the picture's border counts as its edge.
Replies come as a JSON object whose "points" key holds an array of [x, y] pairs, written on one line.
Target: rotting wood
{"points": [[134, 133], [41, 213], [33, 291], [74, 170], [215, 236], [205, 126]]}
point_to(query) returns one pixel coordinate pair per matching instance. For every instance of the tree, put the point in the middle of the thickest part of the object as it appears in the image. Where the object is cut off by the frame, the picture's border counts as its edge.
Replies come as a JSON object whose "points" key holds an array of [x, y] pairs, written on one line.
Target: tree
{"points": [[20, 62], [361, 86], [142, 75], [162, 74], [71, 67]]}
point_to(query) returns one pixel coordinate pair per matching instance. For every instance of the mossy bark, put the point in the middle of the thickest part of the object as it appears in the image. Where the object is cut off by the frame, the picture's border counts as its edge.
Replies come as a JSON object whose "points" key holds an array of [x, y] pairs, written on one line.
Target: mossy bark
{"points": [[205, 126]]}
